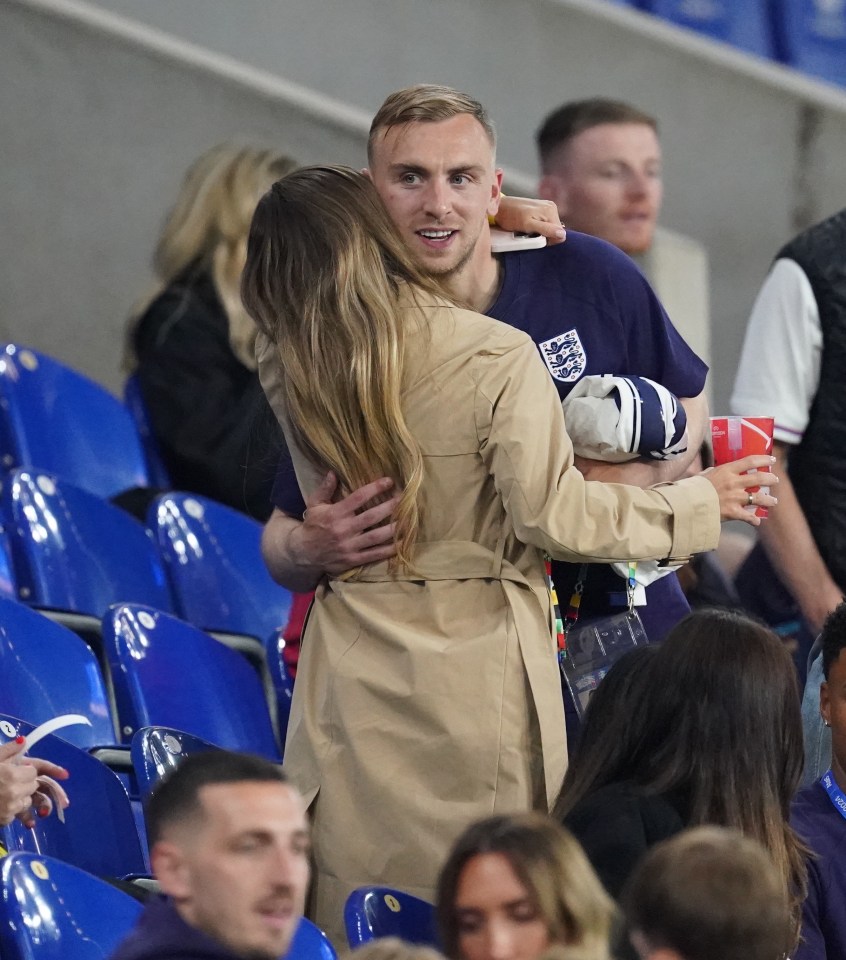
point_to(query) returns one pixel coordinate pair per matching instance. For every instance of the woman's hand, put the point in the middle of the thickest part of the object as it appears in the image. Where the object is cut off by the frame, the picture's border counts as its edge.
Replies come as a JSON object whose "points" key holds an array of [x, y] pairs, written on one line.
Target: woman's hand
{"points": [[28, 785], [527, 215], [732, 484]]}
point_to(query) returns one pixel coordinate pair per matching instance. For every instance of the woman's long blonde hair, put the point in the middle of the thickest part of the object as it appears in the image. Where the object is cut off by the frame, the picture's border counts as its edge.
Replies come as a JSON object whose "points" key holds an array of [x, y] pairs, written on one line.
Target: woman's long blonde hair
{"points": [[325, 268], [207, 228]]}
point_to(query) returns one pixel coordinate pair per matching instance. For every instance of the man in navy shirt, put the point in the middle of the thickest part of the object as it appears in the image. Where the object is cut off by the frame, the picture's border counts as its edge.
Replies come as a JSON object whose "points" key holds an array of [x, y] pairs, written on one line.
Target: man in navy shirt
{"points": [[229, 845], [585, 304], [819, 813]]}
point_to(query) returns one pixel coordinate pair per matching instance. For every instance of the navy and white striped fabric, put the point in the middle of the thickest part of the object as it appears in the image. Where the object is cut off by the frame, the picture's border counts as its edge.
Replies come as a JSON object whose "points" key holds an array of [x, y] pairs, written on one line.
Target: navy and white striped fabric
{"points": [[620, 418]]}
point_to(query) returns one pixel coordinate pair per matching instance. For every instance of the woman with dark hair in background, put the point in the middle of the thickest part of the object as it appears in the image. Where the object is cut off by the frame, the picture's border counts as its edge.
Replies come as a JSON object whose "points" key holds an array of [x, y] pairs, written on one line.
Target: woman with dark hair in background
{"points": [[715, 739], [514, 886]]}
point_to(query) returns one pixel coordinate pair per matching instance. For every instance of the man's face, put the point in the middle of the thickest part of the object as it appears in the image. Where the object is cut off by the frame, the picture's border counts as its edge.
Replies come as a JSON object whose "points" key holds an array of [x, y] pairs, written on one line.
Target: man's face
{"points": [[240, 872], [833, 710], [607, 182], [438, 183]]}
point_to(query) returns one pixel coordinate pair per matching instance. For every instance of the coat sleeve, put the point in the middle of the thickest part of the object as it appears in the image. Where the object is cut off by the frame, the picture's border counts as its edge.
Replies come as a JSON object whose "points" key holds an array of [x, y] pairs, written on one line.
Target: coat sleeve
{"points": [[524, 444]]}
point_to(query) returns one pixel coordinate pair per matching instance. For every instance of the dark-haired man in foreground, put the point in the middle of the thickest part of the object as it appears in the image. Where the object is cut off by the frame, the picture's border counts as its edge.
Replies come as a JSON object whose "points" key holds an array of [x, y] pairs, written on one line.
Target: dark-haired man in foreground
{"points": [[229, 845]]}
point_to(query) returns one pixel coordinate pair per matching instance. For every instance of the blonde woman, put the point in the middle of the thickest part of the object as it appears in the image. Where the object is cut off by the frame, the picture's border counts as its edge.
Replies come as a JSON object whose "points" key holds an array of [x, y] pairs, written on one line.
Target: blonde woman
{"points": [[428, 692], [192, 344], [516, 887]]}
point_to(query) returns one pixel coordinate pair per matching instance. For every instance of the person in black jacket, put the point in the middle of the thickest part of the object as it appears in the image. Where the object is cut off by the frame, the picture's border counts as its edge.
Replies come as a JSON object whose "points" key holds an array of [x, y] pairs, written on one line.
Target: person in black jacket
{"points": [[708, 732], [192, 343]]}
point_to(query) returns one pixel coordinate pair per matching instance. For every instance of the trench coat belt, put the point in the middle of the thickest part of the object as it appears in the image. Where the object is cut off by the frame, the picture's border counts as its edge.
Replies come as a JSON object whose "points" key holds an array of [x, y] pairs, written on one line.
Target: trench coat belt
{"points": [[448, 560]]}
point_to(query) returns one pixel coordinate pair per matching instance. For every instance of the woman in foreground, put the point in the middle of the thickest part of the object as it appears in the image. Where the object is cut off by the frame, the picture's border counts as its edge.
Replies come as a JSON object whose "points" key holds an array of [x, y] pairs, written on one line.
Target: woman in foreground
{"points": [[428, 693]]}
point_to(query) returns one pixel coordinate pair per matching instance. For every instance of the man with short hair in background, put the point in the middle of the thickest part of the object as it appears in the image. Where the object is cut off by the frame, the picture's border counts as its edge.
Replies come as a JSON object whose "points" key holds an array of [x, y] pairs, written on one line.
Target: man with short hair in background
{"points": [[229, 845], [601, 166]]}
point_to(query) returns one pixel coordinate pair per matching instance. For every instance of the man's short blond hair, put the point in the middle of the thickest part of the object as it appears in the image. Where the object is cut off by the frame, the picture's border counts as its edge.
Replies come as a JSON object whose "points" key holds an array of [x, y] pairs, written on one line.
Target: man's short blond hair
{"points": [[427, 103]]}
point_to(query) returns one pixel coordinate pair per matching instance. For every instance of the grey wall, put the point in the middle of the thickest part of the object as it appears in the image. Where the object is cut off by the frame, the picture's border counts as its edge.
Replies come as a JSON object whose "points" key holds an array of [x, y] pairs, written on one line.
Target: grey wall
{"points": [[753, 151]]}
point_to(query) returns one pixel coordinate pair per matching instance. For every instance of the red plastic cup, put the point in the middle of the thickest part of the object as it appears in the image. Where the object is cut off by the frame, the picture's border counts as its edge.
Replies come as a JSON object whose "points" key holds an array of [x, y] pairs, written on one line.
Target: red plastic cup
{"points": [[736, 437]]}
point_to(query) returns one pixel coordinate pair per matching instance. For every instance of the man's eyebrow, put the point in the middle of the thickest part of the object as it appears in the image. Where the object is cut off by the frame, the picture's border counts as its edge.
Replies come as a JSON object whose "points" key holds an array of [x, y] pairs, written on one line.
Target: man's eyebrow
{"points": [[403, 167]]}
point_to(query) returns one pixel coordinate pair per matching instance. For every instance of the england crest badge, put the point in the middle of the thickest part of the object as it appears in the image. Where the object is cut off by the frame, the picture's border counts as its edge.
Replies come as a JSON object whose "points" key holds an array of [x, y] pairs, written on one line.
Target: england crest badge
{"points": [[565, 356]]}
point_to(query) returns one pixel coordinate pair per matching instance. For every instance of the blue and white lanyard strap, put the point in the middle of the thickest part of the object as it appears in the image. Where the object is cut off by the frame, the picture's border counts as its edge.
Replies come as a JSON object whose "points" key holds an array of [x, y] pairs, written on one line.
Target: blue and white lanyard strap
{"points": [[835, 794]]}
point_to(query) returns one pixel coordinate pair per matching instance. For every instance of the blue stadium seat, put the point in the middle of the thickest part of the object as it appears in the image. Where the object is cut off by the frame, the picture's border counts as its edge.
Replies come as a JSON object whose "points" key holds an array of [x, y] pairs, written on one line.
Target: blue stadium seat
{"points": [[138, 411], [280, 679], [50, 910], [159, 750], [811, 36], [75, 553], [56, 420], [170, 674], [46, 671], [310, 943], [374, 912], [8, 585], [745, 24], [99, 832], [213, 556]]}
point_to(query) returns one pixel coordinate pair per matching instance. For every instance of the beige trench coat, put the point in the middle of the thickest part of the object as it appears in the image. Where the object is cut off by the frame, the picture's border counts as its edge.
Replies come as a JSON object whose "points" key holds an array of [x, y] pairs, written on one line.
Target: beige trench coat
{"points": [[425, 701]]}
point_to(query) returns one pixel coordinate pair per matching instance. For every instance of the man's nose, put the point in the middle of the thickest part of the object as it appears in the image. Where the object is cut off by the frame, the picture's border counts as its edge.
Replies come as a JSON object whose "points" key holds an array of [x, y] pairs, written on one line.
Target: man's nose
{"points": [[638, 184], [437, 202]]}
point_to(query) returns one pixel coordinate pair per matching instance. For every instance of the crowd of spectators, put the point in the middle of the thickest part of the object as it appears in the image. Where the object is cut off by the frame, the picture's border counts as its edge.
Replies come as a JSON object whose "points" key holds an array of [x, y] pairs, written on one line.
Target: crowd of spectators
{"points": [[416, 483]]}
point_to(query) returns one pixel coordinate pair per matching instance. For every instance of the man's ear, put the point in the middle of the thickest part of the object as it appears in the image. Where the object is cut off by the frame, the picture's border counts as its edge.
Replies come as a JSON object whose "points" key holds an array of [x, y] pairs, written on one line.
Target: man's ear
{"points": [[169, 868], [552, 187], [365, 172], [496, 193]]}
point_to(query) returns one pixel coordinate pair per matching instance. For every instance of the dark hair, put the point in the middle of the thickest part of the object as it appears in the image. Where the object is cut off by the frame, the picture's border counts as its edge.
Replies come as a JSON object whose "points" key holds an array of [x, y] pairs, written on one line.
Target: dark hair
{"points": [[612, 728], [176, 797], [722, 734], [710, 892], [571, 119], [833, 637], [553, 868]]}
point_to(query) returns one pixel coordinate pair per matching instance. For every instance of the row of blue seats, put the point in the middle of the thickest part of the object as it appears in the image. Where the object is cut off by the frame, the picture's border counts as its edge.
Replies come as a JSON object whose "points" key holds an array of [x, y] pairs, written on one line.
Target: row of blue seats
{"points": [[52, 910], [160, 671], [809, 35], [74, 556]]}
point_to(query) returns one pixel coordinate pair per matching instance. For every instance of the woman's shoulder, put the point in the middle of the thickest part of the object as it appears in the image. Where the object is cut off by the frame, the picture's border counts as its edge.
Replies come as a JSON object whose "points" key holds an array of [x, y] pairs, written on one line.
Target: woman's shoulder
{"points": [[621, 801], [184, 306], [466, 331]]}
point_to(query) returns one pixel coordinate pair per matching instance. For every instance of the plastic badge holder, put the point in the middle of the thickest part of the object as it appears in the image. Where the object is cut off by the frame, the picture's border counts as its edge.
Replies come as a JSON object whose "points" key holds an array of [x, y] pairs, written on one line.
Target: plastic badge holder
{"points": [[592, 649]]}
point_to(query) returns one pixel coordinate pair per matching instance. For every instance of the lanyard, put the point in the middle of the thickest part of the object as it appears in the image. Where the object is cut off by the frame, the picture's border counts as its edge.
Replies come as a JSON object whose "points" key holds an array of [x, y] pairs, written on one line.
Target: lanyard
{"points": [[563, 625], [835, 794]]}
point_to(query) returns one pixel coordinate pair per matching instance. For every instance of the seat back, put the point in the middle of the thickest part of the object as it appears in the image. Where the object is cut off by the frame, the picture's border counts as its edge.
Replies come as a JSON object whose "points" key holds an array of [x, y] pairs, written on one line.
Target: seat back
{"points": [[47, 671], [99, 832], [310, 943], [73, 551], [374, 912], [157, 751], [8, 584], [811, 36], [281, 682], [56, 420], [745, 24], [50, 910], [134, 401], [213, 558], [167, 673]]}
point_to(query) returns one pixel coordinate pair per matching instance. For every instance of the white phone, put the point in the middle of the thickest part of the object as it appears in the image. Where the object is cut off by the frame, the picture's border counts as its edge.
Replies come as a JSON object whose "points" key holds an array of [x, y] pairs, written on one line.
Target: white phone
{"points": [[502, 241]]}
